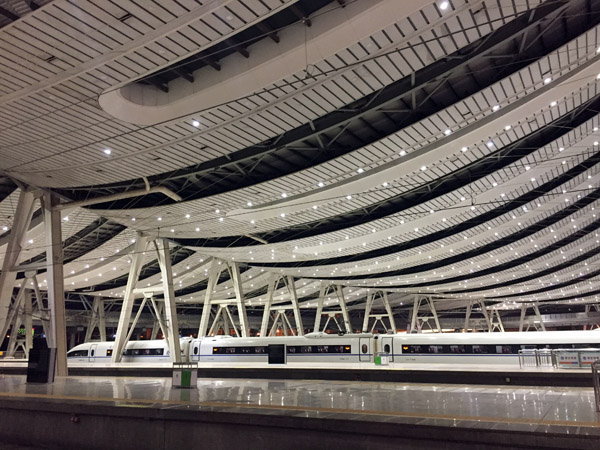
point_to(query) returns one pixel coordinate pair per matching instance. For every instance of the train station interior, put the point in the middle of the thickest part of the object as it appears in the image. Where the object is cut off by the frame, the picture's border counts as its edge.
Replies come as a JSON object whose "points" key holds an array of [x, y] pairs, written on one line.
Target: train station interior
{"points": [[299, 224]]}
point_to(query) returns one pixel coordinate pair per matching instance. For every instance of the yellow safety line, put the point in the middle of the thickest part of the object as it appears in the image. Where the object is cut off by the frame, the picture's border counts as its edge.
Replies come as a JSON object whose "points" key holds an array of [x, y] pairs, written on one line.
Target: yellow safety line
{"points": [[307, 408]]}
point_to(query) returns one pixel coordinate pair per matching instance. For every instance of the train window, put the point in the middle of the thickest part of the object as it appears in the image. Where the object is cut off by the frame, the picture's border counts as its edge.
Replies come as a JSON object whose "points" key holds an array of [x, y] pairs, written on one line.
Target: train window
{"points": [[230, 350], [195, 350], [435, 349], [387, 348], [480, 349], [365, 348], [93, 351], [457, 349], [109, 352], [260, 349], [322, 349], [77, 354]]}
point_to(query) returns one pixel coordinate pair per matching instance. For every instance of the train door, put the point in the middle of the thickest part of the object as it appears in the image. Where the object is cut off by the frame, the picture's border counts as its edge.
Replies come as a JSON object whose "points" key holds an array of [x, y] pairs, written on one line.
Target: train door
{"points": [[387, 346], [276, 353], [92, 352], [364, 350]]}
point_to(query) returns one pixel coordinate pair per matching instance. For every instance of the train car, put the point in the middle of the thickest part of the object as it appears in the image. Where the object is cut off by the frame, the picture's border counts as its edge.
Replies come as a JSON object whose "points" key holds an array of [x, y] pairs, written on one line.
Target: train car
{"points": [[480, 348], [311, 348], [146, 352], [348, 349]]}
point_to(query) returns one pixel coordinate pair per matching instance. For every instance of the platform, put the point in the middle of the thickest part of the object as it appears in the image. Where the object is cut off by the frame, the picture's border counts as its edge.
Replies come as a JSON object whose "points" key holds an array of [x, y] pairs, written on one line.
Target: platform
{"points": [[407, 373], [123, 413]]}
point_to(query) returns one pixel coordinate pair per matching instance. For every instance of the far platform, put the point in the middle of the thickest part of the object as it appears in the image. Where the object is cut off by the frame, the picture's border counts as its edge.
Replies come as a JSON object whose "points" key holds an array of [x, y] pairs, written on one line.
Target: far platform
{"points": [[124, 413], [409, 373]]}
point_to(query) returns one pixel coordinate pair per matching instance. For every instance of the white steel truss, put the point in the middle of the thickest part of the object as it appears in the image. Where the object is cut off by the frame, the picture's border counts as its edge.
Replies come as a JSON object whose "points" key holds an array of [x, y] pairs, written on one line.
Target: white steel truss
{"points": [[168, 323], [537, 323], [371, 297], [216, 267], [97, 320], [327, 289], [420, 320], [278, 314]]}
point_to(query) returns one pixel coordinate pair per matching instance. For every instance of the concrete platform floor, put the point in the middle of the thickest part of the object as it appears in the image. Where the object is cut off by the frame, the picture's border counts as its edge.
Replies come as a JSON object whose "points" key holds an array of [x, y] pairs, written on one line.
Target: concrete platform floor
{"points": [[108, 412]]}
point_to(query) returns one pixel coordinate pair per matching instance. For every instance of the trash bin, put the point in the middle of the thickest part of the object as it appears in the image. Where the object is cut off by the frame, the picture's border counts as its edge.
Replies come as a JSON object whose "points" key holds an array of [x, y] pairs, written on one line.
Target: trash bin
{"points": [[41, 365], [382, 359], [385, 359], [185, 375]]}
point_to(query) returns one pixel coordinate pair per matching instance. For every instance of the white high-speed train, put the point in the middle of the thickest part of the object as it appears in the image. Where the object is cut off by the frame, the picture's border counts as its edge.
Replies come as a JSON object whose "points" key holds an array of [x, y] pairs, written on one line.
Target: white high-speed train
{"points": [[314, 348]]}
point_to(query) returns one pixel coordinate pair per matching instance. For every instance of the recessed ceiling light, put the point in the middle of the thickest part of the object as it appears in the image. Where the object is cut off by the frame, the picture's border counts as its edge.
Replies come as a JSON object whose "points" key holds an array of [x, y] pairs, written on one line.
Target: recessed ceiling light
{"points": [[402, 152], [561, 149], [448, 132], [360, 170], [490, 144], [349, 197], [385, 184], [187, 216], [495, 108], [547, 80], [315, 207], [282, 214], [283, 194], [249, 203], [444, 6], [159, 218], [553, 104], [107, 151], [320, 184], [217, 211], [423, 168], [196, 123]]}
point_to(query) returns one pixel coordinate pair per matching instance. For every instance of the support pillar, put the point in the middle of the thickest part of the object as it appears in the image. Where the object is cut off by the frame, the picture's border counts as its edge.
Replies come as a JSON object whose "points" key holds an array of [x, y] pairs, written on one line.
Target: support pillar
{"points": [[170, 320], [267, 309], [22, 219], [322, 293], [137, 260], [97, 320], [54, 273], [342, 303], [213, 277], [234, 270], [295, 307]]}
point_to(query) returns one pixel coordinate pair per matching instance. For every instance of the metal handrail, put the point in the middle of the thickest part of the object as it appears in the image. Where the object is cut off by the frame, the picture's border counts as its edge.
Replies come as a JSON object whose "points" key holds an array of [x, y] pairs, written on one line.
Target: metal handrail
{"points": [[596, 377], [558, 358]]}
